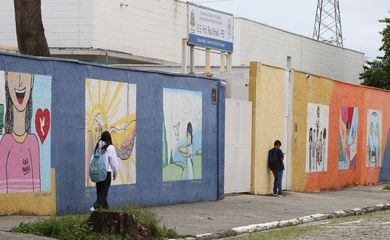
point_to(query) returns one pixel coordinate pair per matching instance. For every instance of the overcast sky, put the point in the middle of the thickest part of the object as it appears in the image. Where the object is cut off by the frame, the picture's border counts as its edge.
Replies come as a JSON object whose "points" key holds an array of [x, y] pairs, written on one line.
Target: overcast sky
{"points": [[359, 18]]}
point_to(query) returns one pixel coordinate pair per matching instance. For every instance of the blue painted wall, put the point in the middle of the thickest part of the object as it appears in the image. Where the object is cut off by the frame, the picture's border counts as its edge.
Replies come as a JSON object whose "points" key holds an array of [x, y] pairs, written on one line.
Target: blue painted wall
{"points": [[385, 170], [68, 140]]}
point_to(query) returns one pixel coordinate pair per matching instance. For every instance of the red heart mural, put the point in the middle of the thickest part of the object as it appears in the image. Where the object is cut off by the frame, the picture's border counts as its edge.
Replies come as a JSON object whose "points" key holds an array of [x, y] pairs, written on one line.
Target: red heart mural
{"points": [[42, 123]]}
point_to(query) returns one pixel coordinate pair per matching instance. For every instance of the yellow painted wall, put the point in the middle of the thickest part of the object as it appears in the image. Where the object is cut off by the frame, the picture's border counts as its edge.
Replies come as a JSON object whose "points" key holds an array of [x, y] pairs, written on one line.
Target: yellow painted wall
{"points": [[38, 203], [311, 89], [266, 92]]}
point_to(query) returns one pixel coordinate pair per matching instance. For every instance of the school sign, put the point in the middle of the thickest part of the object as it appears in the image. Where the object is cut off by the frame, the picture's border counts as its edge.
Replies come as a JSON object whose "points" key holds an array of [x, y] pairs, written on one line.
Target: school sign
{"points": [[210, 28]]}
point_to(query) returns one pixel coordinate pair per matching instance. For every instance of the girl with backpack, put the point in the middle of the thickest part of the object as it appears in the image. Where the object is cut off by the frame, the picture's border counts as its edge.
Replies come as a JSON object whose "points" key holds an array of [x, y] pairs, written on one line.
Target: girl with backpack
{"points": [[108, 155]]}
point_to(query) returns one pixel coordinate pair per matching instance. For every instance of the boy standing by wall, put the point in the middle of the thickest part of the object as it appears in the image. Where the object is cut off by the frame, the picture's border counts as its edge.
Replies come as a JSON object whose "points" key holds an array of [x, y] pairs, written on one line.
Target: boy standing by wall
{"points": [[275, 164]]}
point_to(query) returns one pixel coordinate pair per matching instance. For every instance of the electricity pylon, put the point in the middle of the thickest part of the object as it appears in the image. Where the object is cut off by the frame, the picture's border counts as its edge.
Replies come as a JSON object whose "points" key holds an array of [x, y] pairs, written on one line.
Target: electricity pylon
{"points": [[327, 25]]}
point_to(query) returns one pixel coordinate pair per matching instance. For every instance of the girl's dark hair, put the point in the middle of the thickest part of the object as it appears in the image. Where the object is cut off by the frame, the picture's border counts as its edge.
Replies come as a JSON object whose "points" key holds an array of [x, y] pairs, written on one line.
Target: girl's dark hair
{"points": [[9, 115], [189, 130], [106, 137]]}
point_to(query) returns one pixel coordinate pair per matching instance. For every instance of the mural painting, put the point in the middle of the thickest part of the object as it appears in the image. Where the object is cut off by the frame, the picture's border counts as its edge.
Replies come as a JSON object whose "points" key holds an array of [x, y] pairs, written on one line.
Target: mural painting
{"points": [[317, 137], [182, 135], [25, 145], [348, 137], [111, 106], [374, 138]]}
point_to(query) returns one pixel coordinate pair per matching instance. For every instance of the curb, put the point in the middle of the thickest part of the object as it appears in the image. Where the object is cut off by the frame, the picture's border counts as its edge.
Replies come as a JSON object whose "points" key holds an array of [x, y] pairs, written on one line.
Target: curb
{"points": [[291, 222]]}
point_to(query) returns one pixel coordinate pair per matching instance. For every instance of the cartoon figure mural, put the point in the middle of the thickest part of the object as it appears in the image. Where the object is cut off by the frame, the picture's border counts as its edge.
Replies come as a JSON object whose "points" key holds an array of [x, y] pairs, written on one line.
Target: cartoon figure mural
{"points": [[111, 106], [317, 137], [182, 135], [348, 137], [374, 138], [25, 106]]}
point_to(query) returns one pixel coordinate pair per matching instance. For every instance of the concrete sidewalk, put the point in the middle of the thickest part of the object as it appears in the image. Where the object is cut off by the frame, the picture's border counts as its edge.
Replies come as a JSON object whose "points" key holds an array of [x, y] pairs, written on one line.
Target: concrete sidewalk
{"points": [[244, 209], [240, 210]]}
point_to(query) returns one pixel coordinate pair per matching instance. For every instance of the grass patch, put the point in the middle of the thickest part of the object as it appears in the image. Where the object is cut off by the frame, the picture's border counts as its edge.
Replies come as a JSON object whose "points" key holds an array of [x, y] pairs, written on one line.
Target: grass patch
{"points": [[277, 234], [365, 217], [386, 187], [72, 227], [66, 227]]}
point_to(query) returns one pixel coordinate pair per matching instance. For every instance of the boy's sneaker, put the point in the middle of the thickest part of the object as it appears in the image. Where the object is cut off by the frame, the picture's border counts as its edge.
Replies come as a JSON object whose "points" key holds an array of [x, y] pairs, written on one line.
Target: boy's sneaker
{"points": [[280, 195]]}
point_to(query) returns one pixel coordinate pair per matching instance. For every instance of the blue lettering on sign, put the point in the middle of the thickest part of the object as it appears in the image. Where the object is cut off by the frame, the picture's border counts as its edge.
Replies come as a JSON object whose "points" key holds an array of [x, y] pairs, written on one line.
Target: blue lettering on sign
{"points": [[210, 43]]}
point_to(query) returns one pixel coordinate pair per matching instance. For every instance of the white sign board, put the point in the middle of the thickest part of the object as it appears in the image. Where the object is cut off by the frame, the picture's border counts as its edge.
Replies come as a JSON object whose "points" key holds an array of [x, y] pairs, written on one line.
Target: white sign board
{"points": [[210, 28]]}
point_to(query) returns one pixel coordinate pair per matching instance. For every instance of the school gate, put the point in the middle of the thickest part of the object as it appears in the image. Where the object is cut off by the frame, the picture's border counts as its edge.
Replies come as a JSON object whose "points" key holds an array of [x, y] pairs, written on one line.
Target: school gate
{"points": [[238, 142]]}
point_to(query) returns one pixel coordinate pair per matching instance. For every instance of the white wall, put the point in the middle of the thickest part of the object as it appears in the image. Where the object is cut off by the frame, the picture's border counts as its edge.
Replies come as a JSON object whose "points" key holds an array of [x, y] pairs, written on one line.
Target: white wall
{"points": [[155, 28], [7, 23], [67, 23], [271, 46], [152, 28]]}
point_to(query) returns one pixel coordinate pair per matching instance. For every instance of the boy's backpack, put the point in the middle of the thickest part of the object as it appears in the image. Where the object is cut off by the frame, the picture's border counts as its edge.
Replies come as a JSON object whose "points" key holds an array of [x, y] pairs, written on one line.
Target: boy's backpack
{"points": [[97, 169], [272, 161]]}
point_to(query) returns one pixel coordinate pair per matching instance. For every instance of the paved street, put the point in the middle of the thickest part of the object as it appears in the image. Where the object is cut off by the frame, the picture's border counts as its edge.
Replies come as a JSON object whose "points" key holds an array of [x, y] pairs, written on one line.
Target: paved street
{"points": [[371, 226]]}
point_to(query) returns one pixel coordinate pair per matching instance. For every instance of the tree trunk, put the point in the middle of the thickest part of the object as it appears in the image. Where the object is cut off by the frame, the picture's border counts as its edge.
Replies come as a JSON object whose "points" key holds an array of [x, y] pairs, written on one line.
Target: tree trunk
{"points": [[29, 28], [121, 223]]}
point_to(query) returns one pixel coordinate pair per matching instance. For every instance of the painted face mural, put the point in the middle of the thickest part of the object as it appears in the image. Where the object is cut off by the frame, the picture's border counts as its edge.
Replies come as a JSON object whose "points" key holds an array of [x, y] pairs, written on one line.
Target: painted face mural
{"points": [[19, 89], [374, 138], [111, 106], [317, 137], [348, 137], [182, 136], [25, 99]]}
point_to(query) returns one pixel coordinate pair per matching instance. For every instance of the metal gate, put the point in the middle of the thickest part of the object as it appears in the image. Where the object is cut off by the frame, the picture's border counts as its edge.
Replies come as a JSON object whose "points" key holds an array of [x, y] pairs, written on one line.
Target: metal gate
{"points": [[238, 139]]}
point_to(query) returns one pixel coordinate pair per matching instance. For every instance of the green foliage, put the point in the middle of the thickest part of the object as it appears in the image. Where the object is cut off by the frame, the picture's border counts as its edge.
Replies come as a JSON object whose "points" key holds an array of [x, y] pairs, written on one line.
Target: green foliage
{"points": [[387, 187], [67, 228], [74, 227], [377, 72], [145, 216], [276, 234], [167, 232], [142, 215]]}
